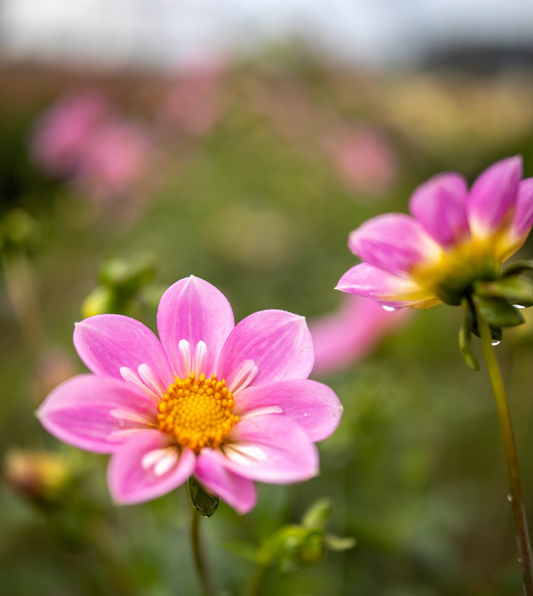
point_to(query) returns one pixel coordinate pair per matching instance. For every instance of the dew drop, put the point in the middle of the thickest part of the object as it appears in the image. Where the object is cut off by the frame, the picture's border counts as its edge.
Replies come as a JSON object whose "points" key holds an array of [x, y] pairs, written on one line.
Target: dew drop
{"points": [[519, 306], [509, 498], [496, 342], [388, 308], [305, 414]]}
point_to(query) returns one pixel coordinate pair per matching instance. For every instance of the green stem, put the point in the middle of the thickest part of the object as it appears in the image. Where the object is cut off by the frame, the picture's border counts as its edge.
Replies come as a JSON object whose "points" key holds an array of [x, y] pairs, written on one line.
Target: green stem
{"points": [[199, 559], [515, 488], [255, 580]]}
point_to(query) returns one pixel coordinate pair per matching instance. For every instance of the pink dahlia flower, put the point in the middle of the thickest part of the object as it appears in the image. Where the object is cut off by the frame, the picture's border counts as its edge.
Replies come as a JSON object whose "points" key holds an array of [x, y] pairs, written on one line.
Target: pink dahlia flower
{"points": [[455, 237], [352, 332], [228, 404]]}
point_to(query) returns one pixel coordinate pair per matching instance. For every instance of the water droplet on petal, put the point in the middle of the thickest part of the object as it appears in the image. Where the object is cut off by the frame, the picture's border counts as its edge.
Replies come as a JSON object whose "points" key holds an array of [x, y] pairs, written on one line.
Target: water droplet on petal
{"points": [[305, 414], [519, 306], [495, 342], [388, 308]]}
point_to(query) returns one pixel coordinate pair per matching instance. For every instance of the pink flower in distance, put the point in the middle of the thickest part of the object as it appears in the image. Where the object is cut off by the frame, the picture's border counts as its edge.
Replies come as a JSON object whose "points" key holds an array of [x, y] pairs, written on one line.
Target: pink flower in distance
{"points": [[363, 159], [455, 237], [62, 131], [115, 157], [352, 332], [228, 404], [195, 102]]}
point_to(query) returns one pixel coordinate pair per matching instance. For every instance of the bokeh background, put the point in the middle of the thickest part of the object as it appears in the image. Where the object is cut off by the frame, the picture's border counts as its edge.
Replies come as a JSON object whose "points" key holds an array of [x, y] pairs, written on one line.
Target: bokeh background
{"points": [[145, 140]]}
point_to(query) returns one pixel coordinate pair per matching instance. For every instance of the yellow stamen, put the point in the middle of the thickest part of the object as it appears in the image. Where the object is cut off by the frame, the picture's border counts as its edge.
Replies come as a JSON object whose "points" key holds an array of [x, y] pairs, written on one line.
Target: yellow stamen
{"points": [[197, 412]]}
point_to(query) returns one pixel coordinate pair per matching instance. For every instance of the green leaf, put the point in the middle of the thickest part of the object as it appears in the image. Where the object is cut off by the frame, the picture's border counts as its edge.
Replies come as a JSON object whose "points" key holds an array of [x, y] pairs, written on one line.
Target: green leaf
{"points": [[497, 312], [339, 543], [245, 550], [516, 290], [205, 503], [465, 336], [318, 513], [517, 268]]}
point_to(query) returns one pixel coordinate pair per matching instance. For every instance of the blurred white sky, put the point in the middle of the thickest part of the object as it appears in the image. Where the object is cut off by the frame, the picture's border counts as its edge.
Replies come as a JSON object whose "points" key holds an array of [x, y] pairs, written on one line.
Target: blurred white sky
{"points": [[163, 32]]}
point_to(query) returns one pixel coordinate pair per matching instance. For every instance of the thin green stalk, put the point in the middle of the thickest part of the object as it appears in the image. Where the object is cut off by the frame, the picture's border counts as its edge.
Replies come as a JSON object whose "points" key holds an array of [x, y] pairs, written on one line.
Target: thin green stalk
{"points": [[515, 489], [199, 560], [255, 580]]}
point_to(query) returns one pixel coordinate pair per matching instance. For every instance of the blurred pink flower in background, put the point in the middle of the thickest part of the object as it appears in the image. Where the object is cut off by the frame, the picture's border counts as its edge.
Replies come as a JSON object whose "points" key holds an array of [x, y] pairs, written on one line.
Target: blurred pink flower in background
{"points": [[343, 337], [115, 158], [363, 159], [62, 131], [194, 103]]}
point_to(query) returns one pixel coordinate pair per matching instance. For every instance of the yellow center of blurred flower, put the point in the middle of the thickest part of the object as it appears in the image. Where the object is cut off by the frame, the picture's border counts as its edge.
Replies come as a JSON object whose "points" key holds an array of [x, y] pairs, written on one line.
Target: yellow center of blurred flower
{"points": [[453, 275], [197, 412]]}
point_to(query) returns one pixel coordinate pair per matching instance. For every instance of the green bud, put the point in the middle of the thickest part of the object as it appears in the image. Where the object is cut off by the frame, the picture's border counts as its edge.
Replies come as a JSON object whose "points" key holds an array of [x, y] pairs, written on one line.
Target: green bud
{"points": [[99, 301], [205, 503], [318, 513], [128, 275]]}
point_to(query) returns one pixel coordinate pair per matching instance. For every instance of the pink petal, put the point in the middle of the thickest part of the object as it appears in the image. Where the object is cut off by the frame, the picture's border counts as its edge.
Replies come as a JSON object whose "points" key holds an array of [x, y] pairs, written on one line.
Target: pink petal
{"points": [[194, 310], [313, 405], [394, 242], [271, 448], [439, 205], [106, 343], [238, 492], [493, 194], [344, 337], [96, 413], [523, 218], [132, 480], [278, 342], [371, 282]]}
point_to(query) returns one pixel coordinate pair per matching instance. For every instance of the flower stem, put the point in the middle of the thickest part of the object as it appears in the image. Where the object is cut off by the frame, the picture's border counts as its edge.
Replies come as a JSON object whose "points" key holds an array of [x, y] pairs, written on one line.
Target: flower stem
{"points": [[255, 581], [199, 559], [515, 489]]}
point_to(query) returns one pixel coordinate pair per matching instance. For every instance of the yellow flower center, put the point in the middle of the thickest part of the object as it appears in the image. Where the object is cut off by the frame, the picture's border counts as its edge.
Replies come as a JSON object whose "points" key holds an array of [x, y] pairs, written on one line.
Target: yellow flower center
{"points": [[197, 412]]}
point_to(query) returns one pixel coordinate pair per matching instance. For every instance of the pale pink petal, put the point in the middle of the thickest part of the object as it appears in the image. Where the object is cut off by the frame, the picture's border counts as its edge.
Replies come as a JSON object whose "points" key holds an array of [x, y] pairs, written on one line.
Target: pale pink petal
{"points": [[523, 218], [96, 413], [236, 491], [107, 343], [271, 448], [493, 194], [394, 242], [393, 291], [134, 476], [440, 206], [278, 342], [194, 310], [344, 337], [313, 405]]}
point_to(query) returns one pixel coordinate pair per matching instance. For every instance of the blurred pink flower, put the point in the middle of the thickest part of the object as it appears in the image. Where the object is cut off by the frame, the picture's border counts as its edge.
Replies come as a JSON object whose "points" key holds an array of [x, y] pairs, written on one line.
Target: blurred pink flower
{"points": [[363, 159], [353, 332], [116, 156], [194, 103], [455, 237], [62, 131], [228, 404]]}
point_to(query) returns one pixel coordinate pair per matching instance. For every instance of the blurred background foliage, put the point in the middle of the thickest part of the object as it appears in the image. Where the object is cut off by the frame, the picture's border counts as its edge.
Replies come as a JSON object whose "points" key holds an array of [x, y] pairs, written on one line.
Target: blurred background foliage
{"points": [[252, 175]]}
